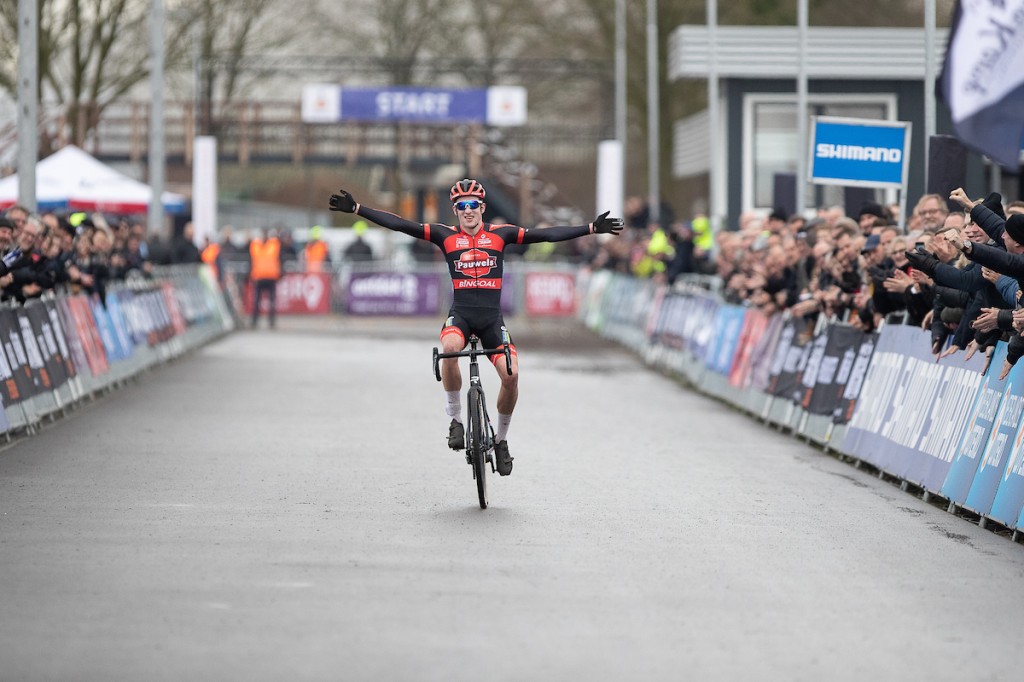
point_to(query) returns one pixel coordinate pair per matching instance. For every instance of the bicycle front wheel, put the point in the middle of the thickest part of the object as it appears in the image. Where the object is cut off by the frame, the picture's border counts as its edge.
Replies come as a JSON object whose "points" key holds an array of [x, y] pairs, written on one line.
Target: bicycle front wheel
{"points": [[475, 444]]}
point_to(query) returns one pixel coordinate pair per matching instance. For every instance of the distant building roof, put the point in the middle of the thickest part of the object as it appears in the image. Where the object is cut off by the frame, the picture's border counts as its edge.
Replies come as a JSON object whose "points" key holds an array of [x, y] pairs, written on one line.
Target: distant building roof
{"points": [[771, 52]]}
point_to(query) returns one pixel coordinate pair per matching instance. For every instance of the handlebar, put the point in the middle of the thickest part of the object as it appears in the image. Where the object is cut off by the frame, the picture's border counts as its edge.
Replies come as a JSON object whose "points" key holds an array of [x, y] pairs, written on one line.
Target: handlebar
{"points": [[472, 353]]}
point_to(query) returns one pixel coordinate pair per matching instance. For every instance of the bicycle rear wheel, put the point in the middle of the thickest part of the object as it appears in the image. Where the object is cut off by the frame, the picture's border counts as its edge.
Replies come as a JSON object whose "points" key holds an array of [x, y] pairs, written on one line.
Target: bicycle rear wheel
{"points": [[475, 444]]}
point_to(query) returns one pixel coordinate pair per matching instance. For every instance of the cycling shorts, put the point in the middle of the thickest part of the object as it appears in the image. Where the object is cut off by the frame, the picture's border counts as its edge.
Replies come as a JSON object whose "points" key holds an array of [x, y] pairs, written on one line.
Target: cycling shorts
{"points": [[488, 326]]}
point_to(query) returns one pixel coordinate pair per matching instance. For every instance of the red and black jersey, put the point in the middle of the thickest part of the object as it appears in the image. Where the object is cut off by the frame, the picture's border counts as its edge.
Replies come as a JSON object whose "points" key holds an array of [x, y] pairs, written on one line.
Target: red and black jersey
{"points": [[475, 262]]}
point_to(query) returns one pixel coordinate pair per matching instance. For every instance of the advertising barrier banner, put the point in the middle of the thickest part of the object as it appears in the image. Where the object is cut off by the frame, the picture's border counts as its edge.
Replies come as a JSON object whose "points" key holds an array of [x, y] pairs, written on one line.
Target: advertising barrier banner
{"points": [[85, 327], [9, 388], [912, 410], [754, 325], [596, 289], [39, 318], [120, 326], [727, 335], [788, 354], [1006, 437], [170, 302], [852, 378], [824, 388], [298, 293], [25, 383], [978, 431], [393, 293], [60, 335], [106, 331], [699, 331], [35, 352], [764, 353], [551, 294]]}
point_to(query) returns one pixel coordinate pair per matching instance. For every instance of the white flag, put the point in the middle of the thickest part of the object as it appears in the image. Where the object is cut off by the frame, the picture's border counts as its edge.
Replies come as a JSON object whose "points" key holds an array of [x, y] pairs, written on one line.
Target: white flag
{"points": [[983, 77]]}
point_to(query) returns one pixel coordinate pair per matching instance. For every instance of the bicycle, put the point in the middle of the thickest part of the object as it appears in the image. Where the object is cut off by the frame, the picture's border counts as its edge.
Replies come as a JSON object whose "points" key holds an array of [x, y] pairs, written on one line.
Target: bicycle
{"points": [[479, 432]]}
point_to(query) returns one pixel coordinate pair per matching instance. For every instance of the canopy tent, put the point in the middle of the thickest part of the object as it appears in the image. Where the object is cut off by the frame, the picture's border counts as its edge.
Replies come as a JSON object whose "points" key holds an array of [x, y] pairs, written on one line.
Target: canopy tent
{"points": [[72, 179]]}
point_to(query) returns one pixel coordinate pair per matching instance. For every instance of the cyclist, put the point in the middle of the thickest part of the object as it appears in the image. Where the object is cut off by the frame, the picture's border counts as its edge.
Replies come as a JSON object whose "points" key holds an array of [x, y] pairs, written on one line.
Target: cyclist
{"points": [[475, 254]]}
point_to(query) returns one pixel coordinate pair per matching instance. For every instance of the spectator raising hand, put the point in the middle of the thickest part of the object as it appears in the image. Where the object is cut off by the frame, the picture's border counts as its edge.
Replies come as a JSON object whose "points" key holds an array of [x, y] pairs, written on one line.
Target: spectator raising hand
{"points": [[990, 275], [899, 282], [987, 320]]}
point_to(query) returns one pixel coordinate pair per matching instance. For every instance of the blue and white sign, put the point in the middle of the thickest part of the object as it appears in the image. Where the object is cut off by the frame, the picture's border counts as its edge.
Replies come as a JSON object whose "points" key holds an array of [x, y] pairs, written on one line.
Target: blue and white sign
{"points": [[857, 152], [497, 106]]}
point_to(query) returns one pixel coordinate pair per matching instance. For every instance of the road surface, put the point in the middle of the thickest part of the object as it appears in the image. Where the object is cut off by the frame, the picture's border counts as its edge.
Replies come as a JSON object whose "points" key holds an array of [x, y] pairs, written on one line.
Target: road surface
{"points": [[282, 505]]}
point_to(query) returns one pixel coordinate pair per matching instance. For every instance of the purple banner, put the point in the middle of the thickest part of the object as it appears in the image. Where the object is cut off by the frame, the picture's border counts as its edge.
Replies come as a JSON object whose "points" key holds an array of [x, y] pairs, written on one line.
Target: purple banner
{"points": [[419, 105], [393, 293]]}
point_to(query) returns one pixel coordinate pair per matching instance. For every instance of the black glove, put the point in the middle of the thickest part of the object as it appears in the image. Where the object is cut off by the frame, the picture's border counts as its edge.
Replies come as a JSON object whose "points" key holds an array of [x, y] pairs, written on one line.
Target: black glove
{"points": [[605, 225], [343, 201], [925, 262]]}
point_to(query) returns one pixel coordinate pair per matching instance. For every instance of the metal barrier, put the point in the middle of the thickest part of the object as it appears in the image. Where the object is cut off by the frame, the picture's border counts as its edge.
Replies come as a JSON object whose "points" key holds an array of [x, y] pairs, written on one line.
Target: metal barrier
{"points": [[62, 349]]}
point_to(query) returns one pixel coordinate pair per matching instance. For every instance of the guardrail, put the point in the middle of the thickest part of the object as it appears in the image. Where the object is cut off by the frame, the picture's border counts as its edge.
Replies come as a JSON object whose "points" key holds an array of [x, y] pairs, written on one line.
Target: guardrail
{"points": [[949, 429]]}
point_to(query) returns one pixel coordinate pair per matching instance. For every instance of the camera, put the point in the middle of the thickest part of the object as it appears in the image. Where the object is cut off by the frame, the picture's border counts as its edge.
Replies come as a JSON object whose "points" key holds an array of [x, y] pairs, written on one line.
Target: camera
{"points": [[919, 247]]}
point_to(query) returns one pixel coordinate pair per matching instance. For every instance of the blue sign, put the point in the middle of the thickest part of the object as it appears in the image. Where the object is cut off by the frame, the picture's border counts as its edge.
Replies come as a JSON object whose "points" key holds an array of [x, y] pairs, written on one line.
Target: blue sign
{"points": [[417, 105], [498, 105], [859, 152]]}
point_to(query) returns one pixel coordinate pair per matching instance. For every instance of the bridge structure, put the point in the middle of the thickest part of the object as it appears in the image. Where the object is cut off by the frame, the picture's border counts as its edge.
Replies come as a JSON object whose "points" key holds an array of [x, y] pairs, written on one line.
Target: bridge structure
{"points": [[535, 170]]}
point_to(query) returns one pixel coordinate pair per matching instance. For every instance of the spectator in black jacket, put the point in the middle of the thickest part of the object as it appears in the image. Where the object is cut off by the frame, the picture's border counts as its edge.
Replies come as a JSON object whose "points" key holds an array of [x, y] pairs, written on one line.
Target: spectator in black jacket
{"points": [[184, 249]]}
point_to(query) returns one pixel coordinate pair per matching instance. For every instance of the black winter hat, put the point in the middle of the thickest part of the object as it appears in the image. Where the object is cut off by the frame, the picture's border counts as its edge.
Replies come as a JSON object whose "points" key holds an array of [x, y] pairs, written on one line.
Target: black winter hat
{"points": [[1015, 227], [994, 203], [871, 208]]}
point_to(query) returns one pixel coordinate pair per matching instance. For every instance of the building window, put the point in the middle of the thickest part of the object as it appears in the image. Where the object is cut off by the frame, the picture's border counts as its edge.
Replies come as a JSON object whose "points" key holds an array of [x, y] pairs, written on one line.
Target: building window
{"points": [[771, 141]]}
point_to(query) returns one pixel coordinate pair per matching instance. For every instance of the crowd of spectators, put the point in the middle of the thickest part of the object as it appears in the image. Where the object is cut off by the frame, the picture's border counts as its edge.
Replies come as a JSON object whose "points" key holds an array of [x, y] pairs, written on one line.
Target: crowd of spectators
{"points": [[78, 252], [955, 268], [47, 252]]}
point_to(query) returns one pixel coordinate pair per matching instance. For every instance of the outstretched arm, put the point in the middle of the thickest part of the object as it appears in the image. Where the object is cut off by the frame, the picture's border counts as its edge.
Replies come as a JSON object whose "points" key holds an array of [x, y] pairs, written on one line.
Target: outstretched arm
{"points": [[344, 202], [602, 225]]}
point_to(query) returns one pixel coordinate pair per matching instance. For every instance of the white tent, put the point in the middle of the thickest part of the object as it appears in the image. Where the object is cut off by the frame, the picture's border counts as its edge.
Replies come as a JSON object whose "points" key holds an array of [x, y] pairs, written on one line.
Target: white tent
{"points": [[73, 179]]}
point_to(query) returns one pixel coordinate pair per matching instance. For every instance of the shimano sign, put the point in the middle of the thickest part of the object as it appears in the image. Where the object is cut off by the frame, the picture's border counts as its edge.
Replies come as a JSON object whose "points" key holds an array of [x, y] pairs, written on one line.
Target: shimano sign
{"points": [[497, 106], [859, 152]]}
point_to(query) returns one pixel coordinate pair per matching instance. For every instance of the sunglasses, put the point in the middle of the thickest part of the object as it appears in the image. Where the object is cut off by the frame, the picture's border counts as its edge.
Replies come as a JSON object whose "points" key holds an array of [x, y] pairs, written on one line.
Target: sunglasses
{"points": [[472, 205]]}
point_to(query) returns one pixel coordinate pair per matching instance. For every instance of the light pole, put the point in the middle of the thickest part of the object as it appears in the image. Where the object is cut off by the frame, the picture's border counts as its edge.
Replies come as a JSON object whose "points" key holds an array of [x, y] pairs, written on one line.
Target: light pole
{"points": [[653, 158], [157, 153], [28, 102]]}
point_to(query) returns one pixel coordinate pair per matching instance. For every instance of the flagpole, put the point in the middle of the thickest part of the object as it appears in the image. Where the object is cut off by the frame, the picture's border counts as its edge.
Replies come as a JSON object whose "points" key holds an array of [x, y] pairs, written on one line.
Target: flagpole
{"points": [[929, 81], [801, 109], [715, 163]]}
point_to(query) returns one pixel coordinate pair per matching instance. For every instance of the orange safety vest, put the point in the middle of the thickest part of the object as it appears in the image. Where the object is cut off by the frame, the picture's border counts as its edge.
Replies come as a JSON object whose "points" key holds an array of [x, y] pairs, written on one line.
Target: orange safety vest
{"points": [[316, 254], [266, 259], [210, 254]]}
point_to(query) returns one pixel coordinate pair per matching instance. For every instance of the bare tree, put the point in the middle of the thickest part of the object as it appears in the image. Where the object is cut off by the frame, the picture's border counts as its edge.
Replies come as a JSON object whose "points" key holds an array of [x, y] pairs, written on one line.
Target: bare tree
{"points": [[88, 56], [89, 50]]}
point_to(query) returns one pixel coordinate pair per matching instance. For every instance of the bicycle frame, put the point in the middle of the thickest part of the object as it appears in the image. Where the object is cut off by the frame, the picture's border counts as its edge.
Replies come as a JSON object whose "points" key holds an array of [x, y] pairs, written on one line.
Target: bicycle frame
{"points": [[479, 434]]}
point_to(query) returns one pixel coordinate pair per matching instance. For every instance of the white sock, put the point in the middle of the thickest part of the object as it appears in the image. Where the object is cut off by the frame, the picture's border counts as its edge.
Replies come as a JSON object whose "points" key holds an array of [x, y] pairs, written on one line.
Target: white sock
{"points": [[503, 421], [454, 407]]}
